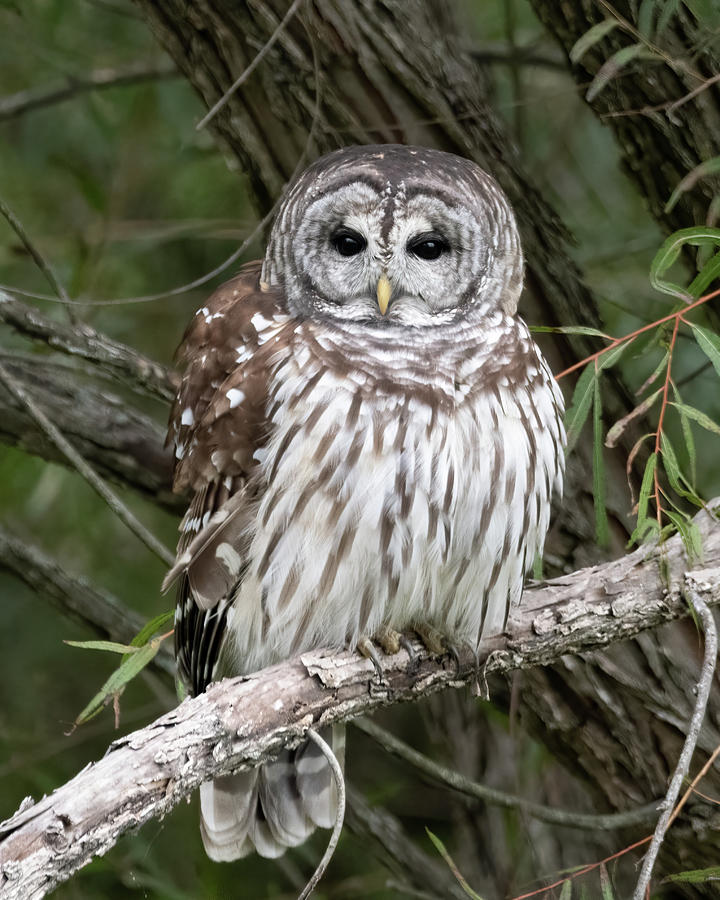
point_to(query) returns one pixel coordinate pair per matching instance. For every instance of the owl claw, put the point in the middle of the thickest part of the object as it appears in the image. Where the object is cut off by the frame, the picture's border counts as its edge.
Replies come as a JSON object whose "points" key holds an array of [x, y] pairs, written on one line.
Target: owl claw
{"points": [[407, 646], [367, 648], [439, 645]]}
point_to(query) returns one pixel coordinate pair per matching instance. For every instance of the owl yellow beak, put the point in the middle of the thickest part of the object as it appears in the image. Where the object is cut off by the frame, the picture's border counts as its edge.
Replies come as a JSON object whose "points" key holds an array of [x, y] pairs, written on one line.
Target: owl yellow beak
{"points": [[384, 290]]}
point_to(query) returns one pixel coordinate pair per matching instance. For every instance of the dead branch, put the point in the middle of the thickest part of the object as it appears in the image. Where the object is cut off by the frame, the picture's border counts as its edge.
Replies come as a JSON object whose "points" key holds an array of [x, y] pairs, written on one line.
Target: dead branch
{"points": [[243, 722]]}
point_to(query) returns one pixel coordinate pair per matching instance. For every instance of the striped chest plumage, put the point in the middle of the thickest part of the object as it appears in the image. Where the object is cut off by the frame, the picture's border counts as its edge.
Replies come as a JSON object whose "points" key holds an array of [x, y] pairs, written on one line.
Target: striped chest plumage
{"points": [[414, 489]]}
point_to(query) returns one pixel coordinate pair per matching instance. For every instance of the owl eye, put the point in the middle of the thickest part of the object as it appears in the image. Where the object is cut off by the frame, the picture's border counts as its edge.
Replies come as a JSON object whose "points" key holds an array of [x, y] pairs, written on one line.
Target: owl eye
{"points": [[347, 242], [428, 246]]}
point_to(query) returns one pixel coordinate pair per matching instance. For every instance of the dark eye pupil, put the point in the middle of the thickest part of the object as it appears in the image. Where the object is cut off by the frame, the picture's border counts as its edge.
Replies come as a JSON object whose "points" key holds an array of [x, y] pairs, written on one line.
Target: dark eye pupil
{"points": [[428, 248], [348, 243]]}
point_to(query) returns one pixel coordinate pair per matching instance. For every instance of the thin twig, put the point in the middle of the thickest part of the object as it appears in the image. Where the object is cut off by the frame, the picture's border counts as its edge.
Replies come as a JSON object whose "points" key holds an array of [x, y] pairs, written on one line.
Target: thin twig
{"points": [[668, 107], [36, 255], [339, 819], [162, 295], [458, 782], [683, 765], [633, 334], [37, 98], [251, 68], [85, 469]]}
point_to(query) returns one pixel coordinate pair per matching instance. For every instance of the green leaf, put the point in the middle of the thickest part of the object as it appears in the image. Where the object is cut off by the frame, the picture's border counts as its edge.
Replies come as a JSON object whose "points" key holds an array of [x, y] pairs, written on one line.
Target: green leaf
{"points": [[677, 480], [125, 672], [569, 329], [645, 525], [646, 485], [697, 416], [645, 17], [651, 379], [566, 892], [602, 529], [580, 406], [537, 567], [695, 876], [689, 439], [667, 255], [613, 66], [643, 531], [110, 646], [440, 847], [591, 37], [709, 343], [709, 272], [689, 534], [610, 357], [668, 11], [150, 627], [709, 167], [605, 884]]}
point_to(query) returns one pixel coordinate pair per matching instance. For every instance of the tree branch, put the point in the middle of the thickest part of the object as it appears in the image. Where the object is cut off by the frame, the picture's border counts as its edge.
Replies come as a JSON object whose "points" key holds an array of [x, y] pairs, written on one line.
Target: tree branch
{"points": [[243, 722], [120, 442], [48, 95], [124, 364], [80, 464], [75, 597]]}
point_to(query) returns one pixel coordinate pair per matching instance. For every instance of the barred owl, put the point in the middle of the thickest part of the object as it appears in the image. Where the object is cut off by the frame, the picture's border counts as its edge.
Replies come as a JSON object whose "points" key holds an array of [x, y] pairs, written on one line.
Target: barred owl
{"points": [[370, 438]]}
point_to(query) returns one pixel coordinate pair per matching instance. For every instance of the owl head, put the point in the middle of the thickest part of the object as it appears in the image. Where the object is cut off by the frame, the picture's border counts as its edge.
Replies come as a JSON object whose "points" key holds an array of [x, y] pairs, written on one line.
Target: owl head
{"points": [[393, 235]]}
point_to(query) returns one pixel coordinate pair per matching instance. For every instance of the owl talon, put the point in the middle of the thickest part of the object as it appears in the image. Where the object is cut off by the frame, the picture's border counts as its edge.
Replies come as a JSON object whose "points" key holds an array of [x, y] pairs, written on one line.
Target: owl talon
{"points": [[407, 646], [367, 648]]}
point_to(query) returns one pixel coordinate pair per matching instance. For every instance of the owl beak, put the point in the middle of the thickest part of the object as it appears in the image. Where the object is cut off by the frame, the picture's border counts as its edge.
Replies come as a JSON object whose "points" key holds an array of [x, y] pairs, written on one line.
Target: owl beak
{"points": [[384, 290]]}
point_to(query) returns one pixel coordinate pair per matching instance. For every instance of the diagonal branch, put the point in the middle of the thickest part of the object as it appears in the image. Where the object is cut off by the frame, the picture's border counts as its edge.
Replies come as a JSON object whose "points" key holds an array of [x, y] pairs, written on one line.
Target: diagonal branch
{"points": [[76, 597], [48, 95], [125, 364], [81, 465], [243, 722], [120, 442]]}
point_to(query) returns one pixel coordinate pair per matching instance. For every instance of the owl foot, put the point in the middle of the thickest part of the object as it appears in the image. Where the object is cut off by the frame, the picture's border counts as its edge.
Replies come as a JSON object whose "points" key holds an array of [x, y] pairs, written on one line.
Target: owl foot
{"points": [[439, 645], [407, 646], [390, 641], [433, 639]]}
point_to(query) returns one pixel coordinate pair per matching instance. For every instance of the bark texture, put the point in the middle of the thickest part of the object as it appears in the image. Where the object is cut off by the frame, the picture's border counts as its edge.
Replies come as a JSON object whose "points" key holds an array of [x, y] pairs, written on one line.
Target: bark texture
{"points": [[240, 723]]}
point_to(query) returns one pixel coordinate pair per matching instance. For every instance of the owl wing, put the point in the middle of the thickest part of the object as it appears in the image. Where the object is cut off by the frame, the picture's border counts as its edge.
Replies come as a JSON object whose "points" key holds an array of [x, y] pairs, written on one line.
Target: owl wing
{"points": [[217, 424]]}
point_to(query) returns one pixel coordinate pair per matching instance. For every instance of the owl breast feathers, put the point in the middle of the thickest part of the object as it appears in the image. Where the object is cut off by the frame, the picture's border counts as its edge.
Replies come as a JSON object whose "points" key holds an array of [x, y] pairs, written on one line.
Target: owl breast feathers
{"points": [[371, 440]]}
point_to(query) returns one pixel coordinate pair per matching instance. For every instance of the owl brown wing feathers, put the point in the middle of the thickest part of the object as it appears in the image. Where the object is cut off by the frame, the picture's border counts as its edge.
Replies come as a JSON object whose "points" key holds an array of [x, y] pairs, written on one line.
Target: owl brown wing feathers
{"points": [[217, 423]]}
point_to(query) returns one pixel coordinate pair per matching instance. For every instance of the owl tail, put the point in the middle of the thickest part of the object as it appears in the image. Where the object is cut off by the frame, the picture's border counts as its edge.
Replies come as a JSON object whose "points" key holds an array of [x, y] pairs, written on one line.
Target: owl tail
{"points": [[274, 807]]}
